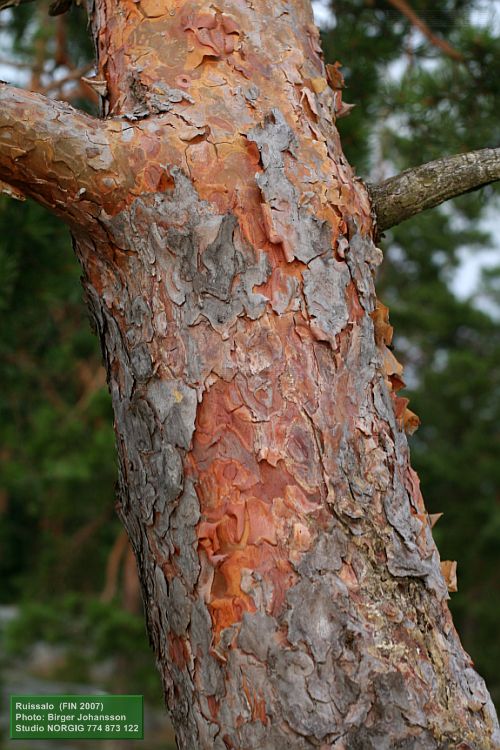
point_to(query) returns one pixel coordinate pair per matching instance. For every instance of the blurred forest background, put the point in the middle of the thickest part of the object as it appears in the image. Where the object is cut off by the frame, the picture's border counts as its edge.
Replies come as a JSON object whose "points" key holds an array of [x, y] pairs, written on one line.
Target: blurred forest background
{"points": [[70, 611]]}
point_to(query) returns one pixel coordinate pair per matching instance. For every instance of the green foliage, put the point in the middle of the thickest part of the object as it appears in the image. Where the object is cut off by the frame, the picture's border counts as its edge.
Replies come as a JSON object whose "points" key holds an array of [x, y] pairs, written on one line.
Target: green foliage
{"points": [[57, 461], [89, 632], [450, 107], [29, 25], [490, 288]]}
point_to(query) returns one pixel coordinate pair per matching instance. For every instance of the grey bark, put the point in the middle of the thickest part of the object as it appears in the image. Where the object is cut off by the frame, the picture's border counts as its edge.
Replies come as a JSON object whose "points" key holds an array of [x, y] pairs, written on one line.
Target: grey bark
{"points": [[419, 188]]}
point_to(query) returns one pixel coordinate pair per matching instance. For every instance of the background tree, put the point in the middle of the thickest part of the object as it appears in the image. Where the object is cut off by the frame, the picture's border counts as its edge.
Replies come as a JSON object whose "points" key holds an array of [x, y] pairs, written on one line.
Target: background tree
{"points": [[432, 269]]}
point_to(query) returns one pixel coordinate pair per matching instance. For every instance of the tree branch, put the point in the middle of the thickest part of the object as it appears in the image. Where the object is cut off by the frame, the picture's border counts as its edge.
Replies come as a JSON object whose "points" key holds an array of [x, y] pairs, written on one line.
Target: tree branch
{"points": [[420, 24], [55, 154], [417, 189]]}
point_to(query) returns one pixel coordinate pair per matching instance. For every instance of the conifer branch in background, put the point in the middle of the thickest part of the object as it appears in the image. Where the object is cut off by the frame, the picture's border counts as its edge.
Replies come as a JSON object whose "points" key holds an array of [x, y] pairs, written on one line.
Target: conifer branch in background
{"points": [[420, 24]]}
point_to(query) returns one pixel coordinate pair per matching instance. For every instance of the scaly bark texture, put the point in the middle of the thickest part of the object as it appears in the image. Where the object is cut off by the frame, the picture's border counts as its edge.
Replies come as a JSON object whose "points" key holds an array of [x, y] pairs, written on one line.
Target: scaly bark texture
{"points": [[292, 587]]}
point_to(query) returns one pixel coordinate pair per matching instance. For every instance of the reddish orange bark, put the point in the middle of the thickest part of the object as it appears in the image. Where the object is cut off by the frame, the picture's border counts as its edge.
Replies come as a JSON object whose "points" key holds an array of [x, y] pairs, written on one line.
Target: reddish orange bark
{"points": [[292, 587]]}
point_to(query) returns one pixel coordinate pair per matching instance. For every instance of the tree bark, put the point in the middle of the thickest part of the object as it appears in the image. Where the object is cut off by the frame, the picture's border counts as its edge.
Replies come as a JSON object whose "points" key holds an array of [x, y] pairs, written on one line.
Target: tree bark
{"points": [[292, 587], [67, 161], [428, 185]]}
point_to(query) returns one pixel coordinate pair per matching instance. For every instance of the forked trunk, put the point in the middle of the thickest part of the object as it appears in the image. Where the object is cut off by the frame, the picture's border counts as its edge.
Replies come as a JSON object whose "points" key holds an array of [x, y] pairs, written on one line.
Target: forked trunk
{"points": [[292, 587]]}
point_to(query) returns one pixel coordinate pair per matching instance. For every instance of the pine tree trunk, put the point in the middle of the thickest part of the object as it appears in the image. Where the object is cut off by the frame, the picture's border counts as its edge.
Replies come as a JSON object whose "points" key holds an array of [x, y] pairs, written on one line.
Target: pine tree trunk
{"points": [[292, 587]]}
